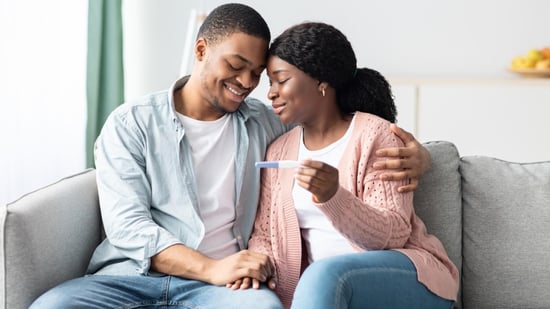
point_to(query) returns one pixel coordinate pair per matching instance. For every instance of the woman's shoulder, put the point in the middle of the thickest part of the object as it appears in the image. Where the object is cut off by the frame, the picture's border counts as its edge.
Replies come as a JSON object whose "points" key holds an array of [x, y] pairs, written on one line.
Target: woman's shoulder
{"points": [[372, 123], [374, 129], [286, 142], [363, 117]]}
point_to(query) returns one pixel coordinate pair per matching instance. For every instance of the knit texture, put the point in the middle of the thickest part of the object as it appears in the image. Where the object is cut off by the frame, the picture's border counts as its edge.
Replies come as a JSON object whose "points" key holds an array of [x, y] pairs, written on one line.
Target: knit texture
{"points": [[369, 212]]}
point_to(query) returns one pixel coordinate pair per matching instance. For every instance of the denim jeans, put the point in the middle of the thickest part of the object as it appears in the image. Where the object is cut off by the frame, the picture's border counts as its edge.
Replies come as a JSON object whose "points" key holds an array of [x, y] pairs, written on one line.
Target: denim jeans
{"points": [[372, 279], [102, 292]]}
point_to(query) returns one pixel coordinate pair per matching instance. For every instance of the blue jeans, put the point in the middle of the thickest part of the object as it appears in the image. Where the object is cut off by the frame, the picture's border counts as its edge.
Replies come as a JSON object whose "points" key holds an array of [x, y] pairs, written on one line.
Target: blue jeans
{"points": [[101, 291], [372, 279]]}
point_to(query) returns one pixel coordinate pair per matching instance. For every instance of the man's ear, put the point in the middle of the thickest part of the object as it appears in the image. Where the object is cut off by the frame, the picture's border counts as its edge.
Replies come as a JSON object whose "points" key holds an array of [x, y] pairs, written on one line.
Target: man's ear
{"points": [[200, 48]]}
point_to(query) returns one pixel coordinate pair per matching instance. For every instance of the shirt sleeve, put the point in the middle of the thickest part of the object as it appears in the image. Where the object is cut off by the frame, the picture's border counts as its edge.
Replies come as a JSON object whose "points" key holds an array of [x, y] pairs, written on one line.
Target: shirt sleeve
{"points": [[270, 121], [125, 192]]}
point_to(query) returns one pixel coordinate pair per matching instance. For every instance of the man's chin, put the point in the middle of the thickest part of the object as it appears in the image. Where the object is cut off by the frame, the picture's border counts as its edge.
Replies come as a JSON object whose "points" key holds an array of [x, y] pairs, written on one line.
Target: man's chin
{"points": [[232, 106], [228, 108]]}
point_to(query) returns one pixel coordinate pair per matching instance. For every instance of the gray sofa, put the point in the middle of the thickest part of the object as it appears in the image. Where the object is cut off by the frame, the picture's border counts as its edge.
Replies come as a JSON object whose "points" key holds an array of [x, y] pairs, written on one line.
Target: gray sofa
{"points": [[492, 216]]}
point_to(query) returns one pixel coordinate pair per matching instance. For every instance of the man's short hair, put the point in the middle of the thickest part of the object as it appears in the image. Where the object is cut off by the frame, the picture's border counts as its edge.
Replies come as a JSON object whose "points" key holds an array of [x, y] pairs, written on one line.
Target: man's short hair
{"points": [[230, 18]]}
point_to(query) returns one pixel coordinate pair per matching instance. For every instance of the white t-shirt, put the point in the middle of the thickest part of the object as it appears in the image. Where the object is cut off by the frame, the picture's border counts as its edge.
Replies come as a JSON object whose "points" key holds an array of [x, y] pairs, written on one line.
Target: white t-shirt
{"points": [[213, 148], [321, 238]]}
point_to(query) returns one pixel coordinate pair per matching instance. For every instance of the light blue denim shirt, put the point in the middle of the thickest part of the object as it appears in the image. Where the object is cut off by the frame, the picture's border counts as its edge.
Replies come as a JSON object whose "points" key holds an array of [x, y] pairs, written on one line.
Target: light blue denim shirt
{"points": [[146, 183]]}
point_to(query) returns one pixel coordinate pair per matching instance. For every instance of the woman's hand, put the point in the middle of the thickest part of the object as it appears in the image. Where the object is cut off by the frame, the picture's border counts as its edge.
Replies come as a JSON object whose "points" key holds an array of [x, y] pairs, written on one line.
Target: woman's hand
{"points": [[409, 162], [244, 283], [318, 178]]}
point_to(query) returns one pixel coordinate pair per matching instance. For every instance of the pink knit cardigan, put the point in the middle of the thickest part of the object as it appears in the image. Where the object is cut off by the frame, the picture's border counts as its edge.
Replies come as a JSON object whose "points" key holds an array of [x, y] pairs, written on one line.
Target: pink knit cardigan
{"points": [[369, 212]]}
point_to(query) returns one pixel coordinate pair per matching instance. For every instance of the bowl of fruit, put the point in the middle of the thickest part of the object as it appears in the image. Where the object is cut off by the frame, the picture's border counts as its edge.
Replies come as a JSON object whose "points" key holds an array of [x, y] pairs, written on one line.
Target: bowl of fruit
{"points": [[536, 63]]}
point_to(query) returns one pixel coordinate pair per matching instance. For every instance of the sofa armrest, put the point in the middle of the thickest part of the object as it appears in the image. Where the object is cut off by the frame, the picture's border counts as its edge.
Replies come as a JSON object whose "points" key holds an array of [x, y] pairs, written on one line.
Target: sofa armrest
{"points": [[47, 237]]}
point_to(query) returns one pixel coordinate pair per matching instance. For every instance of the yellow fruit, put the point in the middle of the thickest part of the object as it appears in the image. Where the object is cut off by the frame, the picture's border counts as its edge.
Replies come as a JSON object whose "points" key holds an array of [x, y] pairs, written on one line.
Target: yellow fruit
{"points": [[523, 63], [517, 63], [543, 64], [534, 55]]}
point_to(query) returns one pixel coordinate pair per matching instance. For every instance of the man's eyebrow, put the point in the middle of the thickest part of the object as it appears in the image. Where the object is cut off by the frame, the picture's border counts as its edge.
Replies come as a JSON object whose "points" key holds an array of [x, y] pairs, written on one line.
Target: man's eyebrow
{"points": [[243, 59]]}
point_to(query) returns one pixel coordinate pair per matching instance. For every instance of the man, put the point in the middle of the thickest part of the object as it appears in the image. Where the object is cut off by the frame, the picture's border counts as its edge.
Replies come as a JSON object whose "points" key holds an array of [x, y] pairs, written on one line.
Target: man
{"points": [[177, 184]]}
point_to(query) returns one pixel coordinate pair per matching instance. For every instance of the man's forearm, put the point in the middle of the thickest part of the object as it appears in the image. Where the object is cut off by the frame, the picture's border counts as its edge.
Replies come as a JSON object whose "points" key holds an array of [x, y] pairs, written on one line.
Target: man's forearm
{"points": [[181, 261]]}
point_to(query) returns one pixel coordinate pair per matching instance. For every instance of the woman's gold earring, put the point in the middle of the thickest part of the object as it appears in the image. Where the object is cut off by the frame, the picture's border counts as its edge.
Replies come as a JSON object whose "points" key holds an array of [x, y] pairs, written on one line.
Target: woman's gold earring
{"points": [[323, 91]]}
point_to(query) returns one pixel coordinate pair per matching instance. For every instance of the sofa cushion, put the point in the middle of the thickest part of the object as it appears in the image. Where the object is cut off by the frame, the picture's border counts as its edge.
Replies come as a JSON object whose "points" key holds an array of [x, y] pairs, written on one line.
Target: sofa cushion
{"points": [[46, 237], [438, 201], [506, 236]]}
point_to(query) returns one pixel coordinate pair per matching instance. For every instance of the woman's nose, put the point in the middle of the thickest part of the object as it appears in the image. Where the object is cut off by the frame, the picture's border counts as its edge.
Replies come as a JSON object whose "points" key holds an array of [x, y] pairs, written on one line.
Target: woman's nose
{"points": [[272, 94]]}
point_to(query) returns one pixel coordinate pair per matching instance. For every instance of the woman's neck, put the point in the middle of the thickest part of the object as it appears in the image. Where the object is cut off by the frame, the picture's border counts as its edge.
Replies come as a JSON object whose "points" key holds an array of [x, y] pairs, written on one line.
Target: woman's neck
{"points": [[324, 131]]}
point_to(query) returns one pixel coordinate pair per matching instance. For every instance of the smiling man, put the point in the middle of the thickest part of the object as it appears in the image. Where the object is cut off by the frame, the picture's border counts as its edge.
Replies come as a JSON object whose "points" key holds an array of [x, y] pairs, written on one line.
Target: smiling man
{"points": [[177, 188]]}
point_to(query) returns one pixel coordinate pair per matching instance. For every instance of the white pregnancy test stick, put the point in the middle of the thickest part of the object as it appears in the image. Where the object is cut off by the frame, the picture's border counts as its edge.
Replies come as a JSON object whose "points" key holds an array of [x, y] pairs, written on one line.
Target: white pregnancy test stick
{"points": [[278, 164]]}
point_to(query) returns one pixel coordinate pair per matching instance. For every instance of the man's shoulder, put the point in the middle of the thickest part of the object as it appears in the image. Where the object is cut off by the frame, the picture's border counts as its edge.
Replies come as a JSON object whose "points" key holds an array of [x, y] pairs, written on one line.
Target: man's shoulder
{"points": [[147, 103], [262, 116], [256, 106]]}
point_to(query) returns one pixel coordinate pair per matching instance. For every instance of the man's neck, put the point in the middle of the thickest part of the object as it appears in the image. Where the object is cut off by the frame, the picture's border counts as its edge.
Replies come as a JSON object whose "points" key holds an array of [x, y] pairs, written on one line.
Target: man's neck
{"points": [[189, 102]]}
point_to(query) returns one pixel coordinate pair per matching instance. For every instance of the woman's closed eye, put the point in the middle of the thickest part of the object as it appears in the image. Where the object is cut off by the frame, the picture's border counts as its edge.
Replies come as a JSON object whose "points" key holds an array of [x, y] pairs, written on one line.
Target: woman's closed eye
{"points": [[280, 82]]}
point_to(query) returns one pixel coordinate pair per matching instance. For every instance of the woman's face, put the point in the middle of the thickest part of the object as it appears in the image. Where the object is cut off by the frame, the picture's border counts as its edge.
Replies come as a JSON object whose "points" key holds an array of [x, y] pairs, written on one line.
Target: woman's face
{"points": [[293, 93]]}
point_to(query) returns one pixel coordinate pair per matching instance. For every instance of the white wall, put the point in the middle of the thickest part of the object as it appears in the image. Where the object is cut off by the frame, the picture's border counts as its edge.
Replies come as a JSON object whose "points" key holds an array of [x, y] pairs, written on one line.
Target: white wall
{"points": [[43, 49], [42, 93], [405, 38]]}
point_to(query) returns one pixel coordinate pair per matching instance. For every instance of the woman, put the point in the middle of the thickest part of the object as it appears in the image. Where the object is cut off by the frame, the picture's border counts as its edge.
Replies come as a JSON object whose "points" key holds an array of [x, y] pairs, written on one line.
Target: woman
{"points": [[359, 237]]}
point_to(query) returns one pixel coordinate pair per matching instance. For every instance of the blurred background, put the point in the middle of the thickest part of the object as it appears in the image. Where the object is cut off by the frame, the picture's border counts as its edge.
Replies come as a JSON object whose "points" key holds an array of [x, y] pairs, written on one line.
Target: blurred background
{"points": [[447, 62]]}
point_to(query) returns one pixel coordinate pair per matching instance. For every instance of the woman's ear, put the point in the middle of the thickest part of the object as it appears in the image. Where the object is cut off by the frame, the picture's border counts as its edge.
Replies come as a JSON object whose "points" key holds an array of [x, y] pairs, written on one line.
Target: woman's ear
{"points": [[200, 49], [322, 87]]}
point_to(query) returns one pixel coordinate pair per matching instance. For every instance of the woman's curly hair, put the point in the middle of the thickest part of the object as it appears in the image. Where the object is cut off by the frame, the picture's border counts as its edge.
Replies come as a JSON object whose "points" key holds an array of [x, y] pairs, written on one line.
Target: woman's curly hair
{"points": [[324, 53]]}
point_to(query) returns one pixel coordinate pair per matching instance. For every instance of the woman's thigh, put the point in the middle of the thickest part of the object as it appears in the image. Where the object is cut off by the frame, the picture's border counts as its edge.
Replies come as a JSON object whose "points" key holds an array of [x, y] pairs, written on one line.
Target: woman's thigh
{"points": [[372, 279], [205, 296]]}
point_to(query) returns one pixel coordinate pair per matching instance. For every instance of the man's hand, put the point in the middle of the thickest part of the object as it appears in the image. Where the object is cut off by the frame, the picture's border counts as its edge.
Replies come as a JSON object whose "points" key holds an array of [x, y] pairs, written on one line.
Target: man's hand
{"points": [[244, 265], [410, 161], [179, 260]]}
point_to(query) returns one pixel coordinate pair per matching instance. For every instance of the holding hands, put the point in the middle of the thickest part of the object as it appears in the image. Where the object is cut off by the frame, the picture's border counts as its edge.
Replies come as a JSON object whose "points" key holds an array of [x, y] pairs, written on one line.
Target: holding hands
{"points": [[251, 267], [257, 268]]}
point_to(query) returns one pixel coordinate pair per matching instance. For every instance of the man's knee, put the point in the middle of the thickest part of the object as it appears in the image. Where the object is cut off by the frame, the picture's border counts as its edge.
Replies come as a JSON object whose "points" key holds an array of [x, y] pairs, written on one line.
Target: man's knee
{"points": [[74, 293], [54, 298], [259, 299]]}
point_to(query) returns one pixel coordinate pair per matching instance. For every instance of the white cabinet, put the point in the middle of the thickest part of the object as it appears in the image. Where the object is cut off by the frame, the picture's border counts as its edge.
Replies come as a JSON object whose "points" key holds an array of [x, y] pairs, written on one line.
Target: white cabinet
{"points": [[508, 119]]}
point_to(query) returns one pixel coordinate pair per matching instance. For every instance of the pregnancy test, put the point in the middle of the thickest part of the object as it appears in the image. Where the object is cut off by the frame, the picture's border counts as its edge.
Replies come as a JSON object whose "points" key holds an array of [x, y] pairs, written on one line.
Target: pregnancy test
{"points": [[278, 164]]}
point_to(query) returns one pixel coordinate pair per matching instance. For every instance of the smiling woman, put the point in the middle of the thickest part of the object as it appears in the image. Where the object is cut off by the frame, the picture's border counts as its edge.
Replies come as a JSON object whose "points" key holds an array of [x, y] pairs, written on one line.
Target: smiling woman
{"points": [[42, 97]]}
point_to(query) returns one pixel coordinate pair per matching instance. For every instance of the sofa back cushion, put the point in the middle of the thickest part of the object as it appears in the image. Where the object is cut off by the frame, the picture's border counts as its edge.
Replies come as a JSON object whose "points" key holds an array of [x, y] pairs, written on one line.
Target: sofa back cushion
{"points": [[46, 237], [506, 236], [438, 199]]}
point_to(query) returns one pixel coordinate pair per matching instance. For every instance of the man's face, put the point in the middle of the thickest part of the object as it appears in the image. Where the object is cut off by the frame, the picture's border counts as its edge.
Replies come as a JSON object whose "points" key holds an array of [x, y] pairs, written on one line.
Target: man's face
{"points": [[230, 70]]}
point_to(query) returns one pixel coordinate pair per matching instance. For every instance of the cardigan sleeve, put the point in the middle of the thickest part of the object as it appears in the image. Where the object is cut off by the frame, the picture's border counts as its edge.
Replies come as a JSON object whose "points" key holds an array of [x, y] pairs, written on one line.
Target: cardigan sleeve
{"points": [[369, 212], [260, 240]]}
